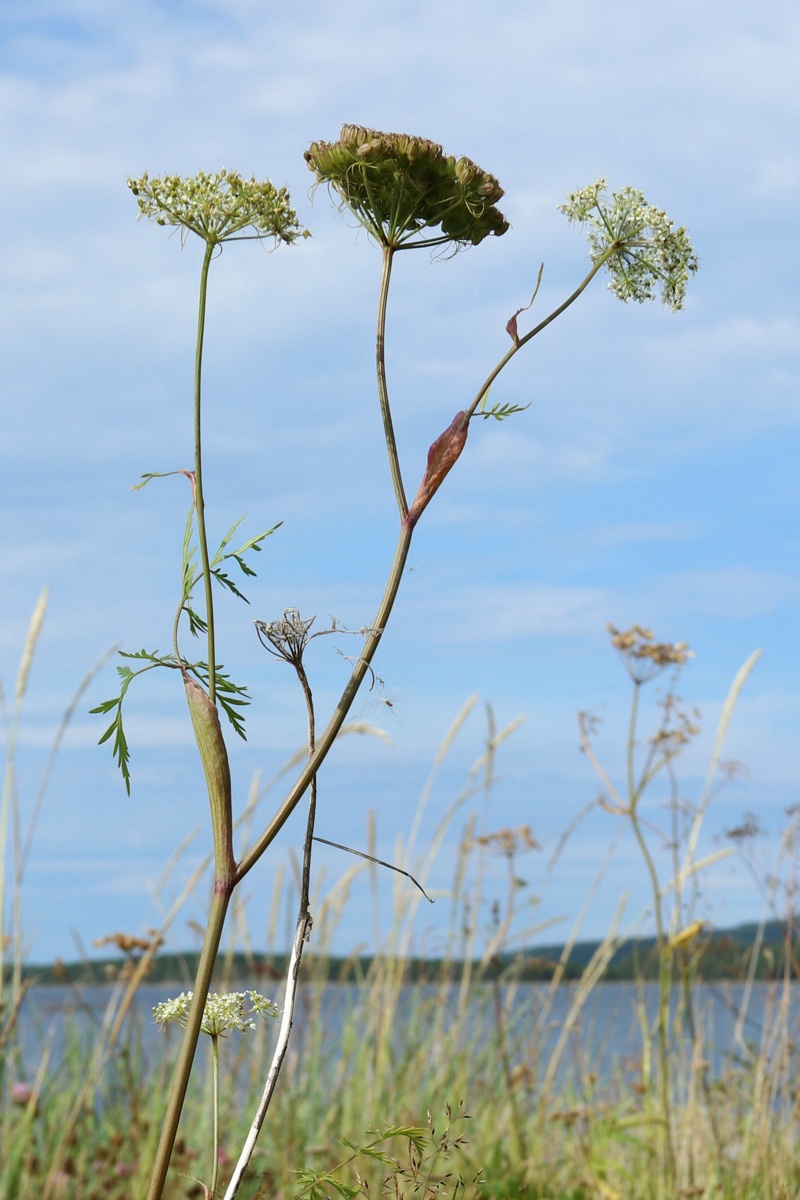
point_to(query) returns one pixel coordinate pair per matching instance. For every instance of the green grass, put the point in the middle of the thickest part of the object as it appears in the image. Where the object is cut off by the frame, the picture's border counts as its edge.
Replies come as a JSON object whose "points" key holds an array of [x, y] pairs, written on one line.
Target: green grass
{"points": [[87, 1122], [528, 1133]]}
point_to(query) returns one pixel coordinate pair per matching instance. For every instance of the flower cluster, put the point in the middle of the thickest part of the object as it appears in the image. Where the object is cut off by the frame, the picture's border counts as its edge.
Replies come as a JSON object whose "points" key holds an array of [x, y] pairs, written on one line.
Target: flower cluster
{"points": [[222, 1013], [287, 637], [644, 252], [508, 842], [398, 186], [218, 207], [643, 656]]}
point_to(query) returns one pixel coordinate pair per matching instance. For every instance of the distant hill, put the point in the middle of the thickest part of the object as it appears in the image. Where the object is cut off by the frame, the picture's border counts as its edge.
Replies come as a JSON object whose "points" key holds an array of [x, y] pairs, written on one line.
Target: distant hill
{"points": [[712, 955]]}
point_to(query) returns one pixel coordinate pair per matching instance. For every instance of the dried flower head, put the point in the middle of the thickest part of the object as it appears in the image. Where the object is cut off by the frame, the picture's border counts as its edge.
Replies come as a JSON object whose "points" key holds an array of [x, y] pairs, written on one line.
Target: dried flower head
{"points": [[643, 656], [749, 829], [129, 943], [218, 207], [508, 842], [286, 638], [644, 252], [398, 186], [222, 1013]]}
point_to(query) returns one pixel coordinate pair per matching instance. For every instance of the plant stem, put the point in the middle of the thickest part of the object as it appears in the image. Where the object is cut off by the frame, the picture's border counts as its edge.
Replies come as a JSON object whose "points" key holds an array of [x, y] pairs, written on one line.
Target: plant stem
{"points": [[664, 968], [225, 885], [601, 262], [215, 1086], [343, 707], [383, 393], [198, 471], [302, 932], [183, 1067], [633, 791]]}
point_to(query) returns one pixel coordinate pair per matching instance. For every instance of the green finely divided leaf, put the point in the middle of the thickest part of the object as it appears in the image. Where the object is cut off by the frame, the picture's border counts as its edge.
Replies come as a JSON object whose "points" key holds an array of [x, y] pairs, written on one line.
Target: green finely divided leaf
{"points": [[192, 574], [119, 747], [230, 696], [147, 476], [253, 543], [219, 555], [189, 572], [501, 411], [196, 623], [228, 583], [243, 565]]}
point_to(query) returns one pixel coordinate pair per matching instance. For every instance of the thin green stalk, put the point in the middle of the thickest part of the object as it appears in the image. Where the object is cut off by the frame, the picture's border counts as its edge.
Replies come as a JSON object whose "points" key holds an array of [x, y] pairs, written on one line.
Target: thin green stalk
{"points": [[302, 932], [383, 393], [9, 810], [225, 887], [664, 969], [183, 1067], [401, 553], [198, 471], [633, 792], [343, 707], [487, 383], [215, 1138]]}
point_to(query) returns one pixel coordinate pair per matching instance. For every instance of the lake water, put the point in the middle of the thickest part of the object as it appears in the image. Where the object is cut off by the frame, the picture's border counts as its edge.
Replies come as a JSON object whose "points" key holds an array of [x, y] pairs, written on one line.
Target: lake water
{"points": [[604, 1033]]}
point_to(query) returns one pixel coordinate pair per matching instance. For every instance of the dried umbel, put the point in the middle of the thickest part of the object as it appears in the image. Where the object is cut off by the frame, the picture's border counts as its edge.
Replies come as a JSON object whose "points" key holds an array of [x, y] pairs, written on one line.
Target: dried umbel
{"points": [[508, 842], [129, 943], [218, 207], [643, 656], [288, 637], [399, 186]]}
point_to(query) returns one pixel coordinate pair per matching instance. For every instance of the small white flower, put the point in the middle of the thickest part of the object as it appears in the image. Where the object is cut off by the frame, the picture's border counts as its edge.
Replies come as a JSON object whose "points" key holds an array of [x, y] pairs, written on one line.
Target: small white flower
{"points": [[222, 1013], [647, 252]]}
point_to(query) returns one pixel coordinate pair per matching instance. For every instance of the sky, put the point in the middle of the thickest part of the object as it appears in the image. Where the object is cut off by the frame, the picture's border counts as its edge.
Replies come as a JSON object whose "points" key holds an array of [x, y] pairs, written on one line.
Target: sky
{"points": [[653, 478]]}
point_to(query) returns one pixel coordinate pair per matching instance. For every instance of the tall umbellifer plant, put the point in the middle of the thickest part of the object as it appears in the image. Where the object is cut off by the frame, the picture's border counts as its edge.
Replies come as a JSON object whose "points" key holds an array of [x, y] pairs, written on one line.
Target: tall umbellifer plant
{"points": [[407, 194]]}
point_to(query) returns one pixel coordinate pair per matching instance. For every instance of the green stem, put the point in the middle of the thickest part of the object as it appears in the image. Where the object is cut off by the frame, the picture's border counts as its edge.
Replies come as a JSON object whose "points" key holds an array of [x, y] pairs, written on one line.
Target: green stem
{"points": [[383, 393], [215, 1086], [302, 932], [664, 969], [343, 707], [601, 262], [198, 471], [401, 553], [633, 793], [183, 1067]]}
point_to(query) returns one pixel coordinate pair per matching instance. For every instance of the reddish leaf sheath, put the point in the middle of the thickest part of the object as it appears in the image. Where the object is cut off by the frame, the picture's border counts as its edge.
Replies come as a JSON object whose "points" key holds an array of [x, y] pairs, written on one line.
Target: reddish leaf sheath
{"points": [[441, 457]]}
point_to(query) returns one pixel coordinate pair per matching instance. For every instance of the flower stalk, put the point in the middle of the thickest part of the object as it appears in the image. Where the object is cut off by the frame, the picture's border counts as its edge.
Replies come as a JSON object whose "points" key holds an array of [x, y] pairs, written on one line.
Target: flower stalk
{"points": [[383, 391], [407, 193], [199, 501]]}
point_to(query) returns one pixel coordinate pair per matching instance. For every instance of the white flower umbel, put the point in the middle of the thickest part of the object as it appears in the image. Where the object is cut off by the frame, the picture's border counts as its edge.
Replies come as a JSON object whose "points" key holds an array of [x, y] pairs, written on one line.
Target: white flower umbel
{"points": [[222, 1013], [637, 242]]}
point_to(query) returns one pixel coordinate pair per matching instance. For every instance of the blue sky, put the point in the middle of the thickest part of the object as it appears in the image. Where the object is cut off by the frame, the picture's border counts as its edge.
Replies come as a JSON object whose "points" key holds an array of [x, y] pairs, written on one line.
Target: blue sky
{"points": [[653, 479]]}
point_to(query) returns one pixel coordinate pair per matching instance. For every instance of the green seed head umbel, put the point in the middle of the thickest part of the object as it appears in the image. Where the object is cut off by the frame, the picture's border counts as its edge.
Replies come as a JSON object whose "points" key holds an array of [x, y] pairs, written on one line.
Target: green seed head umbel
{"points": [[399, 186], [219, 206]]}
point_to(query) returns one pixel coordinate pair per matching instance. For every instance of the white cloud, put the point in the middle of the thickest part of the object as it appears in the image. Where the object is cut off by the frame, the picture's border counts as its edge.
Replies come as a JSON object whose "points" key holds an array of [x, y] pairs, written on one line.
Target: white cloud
{"points": [[505, 611], [735, 592]]}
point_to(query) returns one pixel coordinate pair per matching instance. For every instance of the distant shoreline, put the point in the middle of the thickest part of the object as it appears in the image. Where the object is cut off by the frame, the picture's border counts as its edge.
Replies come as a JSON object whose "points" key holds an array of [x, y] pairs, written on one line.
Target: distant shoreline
{"points": [[713, 955]]}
